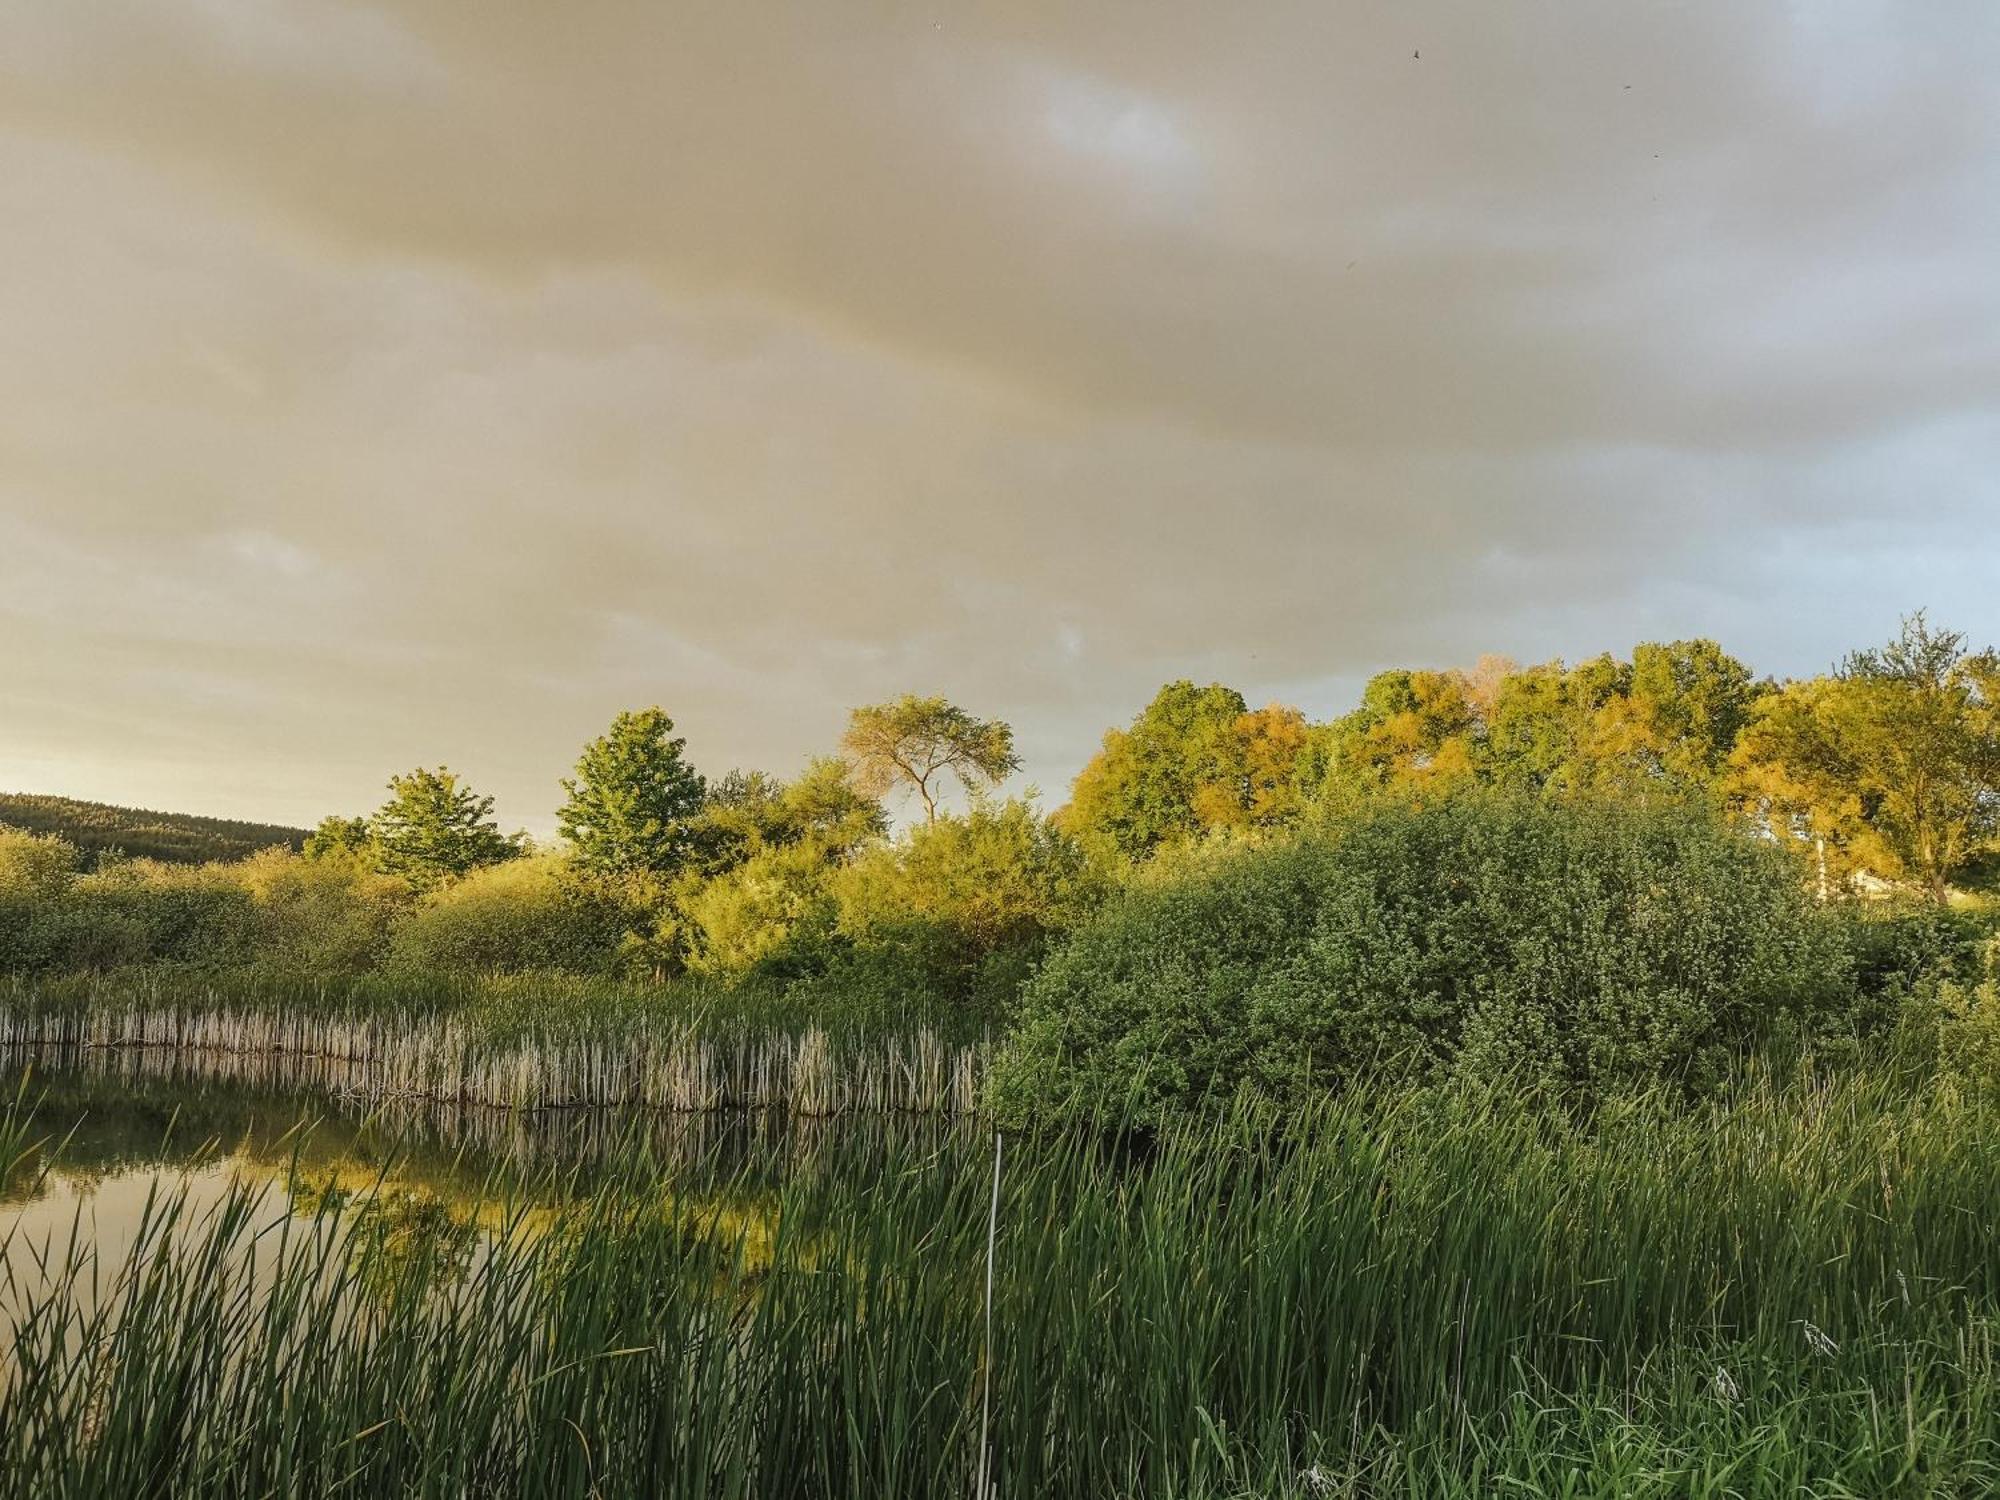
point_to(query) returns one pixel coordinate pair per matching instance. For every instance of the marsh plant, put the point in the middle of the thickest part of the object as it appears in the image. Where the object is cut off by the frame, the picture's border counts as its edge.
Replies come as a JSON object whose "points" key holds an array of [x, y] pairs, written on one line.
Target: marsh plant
{"points": [[1791, 1289]]}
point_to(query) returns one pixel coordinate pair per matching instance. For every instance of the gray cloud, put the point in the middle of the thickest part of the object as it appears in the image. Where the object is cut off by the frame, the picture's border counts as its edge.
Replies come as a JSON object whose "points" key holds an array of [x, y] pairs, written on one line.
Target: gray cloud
{"points": [[427, 381]]}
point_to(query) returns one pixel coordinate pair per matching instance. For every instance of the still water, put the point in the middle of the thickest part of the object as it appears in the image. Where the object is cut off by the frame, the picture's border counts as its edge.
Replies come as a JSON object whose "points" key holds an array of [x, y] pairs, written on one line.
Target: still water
{"points": [[109, 1163]]}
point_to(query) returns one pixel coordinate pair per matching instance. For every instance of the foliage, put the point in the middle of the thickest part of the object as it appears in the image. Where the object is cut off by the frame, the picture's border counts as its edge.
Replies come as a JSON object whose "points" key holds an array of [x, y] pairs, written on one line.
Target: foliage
{"points": [[1894, 761], [912, 742], [760, 915], [628, 809], [35, 866], [1413, 732], [433, 828], [1193, 762], [526, 914], [97, 828], [323, 914], [1659, 726], [963, 889], [748, 812], [37, 873], [137, 910], [337, 837], [1583, 944]]}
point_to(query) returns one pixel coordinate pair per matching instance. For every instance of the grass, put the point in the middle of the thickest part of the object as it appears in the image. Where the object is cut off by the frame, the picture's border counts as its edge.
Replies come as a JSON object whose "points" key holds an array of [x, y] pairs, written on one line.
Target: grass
{"points": [[516, 1042], [1790, 1291]]}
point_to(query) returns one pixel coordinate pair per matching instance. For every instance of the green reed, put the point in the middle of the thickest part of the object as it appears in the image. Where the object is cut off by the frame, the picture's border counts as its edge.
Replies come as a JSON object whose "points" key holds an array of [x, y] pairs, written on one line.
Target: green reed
{"points": [[1792, 1291]]}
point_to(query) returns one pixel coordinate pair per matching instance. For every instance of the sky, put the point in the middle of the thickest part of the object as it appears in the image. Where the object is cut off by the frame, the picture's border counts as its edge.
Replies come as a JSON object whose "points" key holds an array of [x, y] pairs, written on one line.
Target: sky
{"points": [[418, 382]]}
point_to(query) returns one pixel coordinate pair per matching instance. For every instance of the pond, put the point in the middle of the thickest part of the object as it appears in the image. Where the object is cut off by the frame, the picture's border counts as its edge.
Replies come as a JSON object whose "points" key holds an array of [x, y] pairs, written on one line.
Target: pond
{"points": [[115, 1165]]}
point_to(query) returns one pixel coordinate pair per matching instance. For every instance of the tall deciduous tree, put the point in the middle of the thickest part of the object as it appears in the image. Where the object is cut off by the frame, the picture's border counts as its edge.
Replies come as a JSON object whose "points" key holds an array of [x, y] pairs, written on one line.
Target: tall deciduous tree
{"points": [[434, 826], [1415, 732], [634, 794], [1898, 752], [914, 742], [1146, 787], [1195, 760]]}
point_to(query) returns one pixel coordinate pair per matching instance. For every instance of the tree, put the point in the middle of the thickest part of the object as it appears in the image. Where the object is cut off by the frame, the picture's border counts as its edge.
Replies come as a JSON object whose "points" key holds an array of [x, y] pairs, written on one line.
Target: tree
{"points": [[913, 741], [1178, 771], [628, 810], [747, 812], [1543, 719], [433, 828], [1414, 732], [337, 838], [1273, 741], [1666, 724], [1897, 754]]}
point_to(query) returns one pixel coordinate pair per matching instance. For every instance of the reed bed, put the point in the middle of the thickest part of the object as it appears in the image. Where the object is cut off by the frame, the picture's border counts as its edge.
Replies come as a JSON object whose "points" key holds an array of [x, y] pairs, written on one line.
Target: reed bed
{"points": [[1794, 1291], [671, 1063]]}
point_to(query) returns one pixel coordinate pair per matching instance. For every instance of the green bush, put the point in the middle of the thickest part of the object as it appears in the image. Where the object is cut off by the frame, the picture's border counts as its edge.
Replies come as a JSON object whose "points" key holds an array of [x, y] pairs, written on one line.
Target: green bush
{"points": [[964, 905], [36, 873], [132, 911], [529, 913], [331, 914], [1903, 948], [765, 916], [1576, 945]]}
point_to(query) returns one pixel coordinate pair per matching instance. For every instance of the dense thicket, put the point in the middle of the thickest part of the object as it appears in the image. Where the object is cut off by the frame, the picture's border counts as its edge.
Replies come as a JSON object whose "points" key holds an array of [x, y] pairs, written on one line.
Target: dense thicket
{"points": [[97, 828], [1580, 943]]}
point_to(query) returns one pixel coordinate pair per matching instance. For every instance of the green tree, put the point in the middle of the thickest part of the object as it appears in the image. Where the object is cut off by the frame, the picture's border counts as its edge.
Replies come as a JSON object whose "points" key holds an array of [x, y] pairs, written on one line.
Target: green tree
{"points": [[747, 812], [1194, 760], [340, 838], [1667, 723], [433, 827], [914, 741], [1694, 700], [1413, 733], [1897, 756], [630, 806], [1543, 719]]}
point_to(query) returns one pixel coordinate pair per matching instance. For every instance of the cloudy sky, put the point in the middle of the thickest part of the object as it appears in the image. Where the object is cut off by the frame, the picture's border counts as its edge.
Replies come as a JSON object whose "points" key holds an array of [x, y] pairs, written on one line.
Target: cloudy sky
{"points": [[424, 381]]}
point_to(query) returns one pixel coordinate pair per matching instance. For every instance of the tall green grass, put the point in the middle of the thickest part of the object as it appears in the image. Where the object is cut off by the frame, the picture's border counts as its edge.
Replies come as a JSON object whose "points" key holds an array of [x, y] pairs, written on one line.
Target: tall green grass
{"points": [[1792, 1291]]}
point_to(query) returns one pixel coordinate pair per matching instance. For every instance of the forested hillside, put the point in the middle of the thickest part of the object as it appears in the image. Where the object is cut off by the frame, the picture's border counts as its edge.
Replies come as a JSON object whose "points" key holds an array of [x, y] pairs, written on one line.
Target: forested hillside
{"points": [[178, 838]]}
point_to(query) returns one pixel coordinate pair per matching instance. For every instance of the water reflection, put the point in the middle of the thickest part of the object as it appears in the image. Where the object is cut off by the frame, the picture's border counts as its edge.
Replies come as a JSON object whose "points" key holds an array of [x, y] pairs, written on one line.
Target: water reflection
{"points": [[420, 1194]]}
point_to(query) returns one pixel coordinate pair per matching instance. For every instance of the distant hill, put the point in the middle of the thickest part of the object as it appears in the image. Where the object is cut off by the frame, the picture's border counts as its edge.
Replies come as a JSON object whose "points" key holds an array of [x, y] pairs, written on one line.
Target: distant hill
{"points": [[179, 838]]}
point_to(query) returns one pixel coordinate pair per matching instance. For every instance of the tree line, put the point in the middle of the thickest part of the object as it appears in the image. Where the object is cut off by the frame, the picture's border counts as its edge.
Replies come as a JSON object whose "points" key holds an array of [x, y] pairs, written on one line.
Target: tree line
{"points": [[1883, 774], [100, 830]]}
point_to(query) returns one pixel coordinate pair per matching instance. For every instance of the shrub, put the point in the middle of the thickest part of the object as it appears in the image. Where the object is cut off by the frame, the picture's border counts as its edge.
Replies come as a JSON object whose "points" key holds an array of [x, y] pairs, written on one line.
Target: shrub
{"points": [[35, 867], [1575, 945], [529, 913], [327, 914], [132, 911], [36, 872], [963, 891], [760, 916], [1902, 948]]}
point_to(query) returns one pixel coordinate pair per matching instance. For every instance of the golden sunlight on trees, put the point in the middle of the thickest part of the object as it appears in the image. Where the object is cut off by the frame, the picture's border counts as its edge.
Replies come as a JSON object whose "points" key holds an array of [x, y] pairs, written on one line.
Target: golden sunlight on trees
{"points": [[1894, 761], [913, 741]]}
